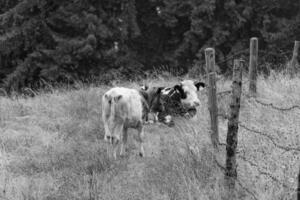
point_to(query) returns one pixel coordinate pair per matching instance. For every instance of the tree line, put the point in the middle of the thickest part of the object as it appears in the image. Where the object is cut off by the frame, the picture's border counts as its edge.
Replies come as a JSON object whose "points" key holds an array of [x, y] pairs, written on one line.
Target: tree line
{"points": [[61, 41]]}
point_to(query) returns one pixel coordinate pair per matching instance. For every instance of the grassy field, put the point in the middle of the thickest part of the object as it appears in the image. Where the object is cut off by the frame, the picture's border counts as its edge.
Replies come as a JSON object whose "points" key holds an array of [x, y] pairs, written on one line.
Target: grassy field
{"points": [[51, 147]]}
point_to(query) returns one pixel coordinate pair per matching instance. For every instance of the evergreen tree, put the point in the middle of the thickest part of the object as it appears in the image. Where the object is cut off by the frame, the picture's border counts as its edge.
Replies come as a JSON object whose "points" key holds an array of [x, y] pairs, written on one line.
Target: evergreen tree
{"points": [[63, 41]]}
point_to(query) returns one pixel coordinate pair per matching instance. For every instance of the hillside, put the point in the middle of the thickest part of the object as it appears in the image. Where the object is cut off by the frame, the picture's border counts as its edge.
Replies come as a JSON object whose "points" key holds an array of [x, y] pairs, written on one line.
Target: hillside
{"points": [[52, 148]]}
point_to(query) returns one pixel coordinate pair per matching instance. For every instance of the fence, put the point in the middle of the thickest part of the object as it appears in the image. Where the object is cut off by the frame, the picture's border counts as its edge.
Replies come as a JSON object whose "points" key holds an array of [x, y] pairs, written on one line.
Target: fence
{"points": [[234, 124]]}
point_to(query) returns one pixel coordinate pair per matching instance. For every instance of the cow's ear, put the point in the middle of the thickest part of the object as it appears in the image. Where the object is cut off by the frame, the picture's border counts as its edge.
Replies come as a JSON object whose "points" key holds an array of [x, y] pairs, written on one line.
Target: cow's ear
{"points": [[200, 85]]}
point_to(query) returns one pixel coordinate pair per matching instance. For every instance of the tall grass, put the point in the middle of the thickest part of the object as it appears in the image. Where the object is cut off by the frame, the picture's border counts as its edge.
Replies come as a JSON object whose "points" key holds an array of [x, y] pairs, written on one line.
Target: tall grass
{"points": [[51, 147]]}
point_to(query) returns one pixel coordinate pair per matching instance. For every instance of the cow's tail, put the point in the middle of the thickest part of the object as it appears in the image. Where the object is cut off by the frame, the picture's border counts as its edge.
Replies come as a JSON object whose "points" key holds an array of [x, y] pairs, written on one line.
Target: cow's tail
{"points": [[113, 106]]}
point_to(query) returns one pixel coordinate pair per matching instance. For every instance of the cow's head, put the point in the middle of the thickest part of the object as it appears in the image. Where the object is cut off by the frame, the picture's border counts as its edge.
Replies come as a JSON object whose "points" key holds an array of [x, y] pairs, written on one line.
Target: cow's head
{"points": [[188, 92]]}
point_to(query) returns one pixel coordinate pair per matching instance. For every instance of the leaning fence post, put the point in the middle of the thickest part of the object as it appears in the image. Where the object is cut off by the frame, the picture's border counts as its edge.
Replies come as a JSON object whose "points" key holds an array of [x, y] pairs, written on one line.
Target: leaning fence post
{"points": [[233, 125], [253, 65], [212, 96], [292, 67]]}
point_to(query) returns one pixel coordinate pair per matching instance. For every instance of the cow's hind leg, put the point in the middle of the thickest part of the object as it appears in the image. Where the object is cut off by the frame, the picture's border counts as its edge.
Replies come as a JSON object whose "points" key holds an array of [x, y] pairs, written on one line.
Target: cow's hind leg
{"points": [[124, 141], [114, 142], [116, 136], [107, 134], [140, 138]]}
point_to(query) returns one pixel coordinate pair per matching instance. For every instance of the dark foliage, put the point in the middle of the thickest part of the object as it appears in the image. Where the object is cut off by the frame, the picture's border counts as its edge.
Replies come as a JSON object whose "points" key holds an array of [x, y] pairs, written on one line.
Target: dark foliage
{"points": [[50, 41]]}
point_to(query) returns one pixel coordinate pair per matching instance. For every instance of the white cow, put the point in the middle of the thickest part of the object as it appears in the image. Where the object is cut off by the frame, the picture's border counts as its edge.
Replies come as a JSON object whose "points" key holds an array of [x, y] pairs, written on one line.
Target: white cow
{"points": [[124, 108]]}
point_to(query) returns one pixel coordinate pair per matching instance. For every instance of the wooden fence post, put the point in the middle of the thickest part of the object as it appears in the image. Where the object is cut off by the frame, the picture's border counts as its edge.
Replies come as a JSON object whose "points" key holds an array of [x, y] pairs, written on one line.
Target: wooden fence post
{"points": [[298, 189], [212, 96], [233, 125], [292, 67], [253, 65]]}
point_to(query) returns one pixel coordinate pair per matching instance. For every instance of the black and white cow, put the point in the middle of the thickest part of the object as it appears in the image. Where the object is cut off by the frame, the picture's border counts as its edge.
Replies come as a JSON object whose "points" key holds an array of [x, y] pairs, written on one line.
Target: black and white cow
{"points": [[179, 100]]}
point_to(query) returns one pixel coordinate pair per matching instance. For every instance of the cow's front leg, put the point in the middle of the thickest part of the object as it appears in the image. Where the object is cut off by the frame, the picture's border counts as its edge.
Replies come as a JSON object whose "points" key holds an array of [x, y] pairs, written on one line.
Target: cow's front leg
{"points": [[141, 136]]}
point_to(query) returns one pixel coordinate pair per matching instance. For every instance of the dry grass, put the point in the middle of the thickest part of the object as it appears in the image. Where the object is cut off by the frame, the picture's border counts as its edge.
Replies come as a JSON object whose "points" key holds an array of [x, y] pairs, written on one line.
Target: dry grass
{"points": [[52, 148]]}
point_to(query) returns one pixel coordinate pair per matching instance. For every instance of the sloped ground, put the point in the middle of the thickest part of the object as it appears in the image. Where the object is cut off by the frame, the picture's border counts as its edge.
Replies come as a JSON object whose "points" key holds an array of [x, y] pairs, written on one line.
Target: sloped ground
{"points": [[52, 148]]}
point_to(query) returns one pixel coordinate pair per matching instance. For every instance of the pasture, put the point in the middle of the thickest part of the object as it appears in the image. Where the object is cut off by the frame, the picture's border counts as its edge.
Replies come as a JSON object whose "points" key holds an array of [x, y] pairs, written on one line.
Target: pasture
{"points": [[51, 147]]}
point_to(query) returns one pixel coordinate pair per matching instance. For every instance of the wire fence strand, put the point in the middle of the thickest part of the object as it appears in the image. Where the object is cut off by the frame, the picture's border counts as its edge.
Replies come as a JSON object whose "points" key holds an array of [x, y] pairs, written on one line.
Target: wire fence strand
{"points": [[271, 105], [286, 148], [265, 173], [253, 195]]}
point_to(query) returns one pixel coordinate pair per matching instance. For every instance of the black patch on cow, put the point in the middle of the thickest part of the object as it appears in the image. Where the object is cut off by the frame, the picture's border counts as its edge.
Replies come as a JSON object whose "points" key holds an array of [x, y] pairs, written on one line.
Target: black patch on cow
{"points": [[151, 101], [181, 91], [167, 103], [158, 91], [200, 84], [173, 107], [155, 102], [144, 94], [145, 105]]}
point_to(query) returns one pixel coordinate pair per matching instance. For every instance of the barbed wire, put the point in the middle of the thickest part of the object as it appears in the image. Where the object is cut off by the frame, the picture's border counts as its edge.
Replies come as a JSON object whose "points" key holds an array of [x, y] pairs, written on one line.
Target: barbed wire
{"points": [[271, 176], [224, 92], [270, 138], [237, 180], [268, 174], [271, 105], [233, 55], [247, 190], [254, 130], [246, 50], [224, 116], [226, 59], [276, 107], [275, 53]]}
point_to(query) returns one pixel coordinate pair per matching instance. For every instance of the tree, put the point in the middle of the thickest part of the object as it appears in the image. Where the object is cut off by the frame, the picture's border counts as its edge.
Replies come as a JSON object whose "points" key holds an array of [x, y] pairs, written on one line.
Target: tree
{"points": [[63, 41]]}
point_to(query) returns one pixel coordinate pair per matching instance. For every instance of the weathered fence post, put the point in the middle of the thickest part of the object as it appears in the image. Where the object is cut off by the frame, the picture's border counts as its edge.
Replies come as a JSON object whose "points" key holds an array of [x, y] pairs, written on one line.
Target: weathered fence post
{"points": [[298, 189], [91, 183], [292, 67], [253, 65], [212, 96], [233, 125]]}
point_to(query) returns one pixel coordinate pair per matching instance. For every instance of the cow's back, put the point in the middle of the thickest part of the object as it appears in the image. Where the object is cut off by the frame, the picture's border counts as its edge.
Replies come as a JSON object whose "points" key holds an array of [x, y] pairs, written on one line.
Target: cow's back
{"points": [[126, 106]]}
